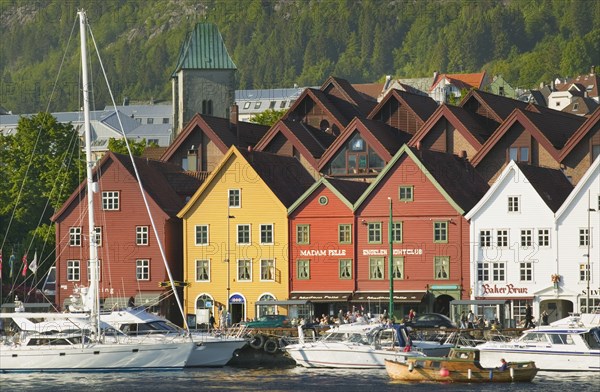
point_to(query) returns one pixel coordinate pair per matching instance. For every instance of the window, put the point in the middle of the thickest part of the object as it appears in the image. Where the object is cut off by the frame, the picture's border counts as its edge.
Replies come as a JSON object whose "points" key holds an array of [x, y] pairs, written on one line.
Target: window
{"points": [[345, 269], [526, 238], [234, 198], [98, 270], [266, 234], [498, 271], [165, 120], [247, 105], [110, 200], [345, 234], [282, 104], [483, 272], [207, 107], [202, 270], [152, 142], [303, 268], [150, 121], [518, 154], [75, 236], [303, 234], [73, 270], [98, 235], [513, 204], [267, 270], [244, 268], [502, 238], [374, 232], [584, 272], [243, 234], [441, 267], [519, 309], [398, 267], [544, 237], [376, 268], [264, 310], [583, 237], [201, 235], [526, 271], [397, 232], [272, 104], [406, 193], [440, 231], [485, 238], [142, 269], [257, 105], [141, 235]]}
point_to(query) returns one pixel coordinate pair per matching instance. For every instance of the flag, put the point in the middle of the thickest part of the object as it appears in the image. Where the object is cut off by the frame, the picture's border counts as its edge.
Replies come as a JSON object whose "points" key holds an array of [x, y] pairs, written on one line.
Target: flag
{"points": [[11, 264], [24, 265], [33, 265]]}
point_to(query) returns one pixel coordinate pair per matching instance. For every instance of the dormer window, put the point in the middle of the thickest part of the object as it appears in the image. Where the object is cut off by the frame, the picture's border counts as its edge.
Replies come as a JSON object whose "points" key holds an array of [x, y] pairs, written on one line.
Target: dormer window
{"points": [[518, 154], [356, 157]]}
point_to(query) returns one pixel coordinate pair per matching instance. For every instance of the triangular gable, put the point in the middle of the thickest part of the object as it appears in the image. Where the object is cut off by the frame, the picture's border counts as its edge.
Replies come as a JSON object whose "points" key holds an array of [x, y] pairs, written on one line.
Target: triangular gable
{"points": [[359, 125], [405, 150], [281, 129], [318, 98], [497, 106], [348, 94], [421, 107], [581, 186], [445, 112], [196, 122], [317, 185], [472, 80], [575, 139], [517, 116]]}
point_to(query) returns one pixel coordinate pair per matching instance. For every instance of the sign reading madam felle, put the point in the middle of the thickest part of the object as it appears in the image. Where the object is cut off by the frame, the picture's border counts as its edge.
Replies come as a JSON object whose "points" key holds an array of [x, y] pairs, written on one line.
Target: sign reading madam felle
{"points": [[323, 252]]}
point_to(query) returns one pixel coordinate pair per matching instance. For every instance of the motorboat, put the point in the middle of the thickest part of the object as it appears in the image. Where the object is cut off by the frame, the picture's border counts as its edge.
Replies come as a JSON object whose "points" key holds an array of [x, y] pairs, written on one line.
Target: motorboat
{"points": [[361, 345], [461, 365], [570, 344], [212, 349]]}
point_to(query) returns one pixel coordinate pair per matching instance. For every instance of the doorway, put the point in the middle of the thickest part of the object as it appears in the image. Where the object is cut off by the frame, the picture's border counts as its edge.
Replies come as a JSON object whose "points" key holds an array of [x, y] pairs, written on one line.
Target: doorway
{"points": [[556, 308], [441, 304]]}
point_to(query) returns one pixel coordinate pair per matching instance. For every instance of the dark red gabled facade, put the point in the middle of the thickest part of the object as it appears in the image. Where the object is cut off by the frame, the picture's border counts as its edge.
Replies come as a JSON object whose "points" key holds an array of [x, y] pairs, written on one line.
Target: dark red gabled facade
{"points": [[122, 244]]}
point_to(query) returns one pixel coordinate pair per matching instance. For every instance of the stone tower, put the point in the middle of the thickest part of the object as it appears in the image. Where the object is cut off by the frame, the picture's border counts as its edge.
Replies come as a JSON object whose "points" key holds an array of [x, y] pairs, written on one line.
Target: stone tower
{"points": [[204, 79]]}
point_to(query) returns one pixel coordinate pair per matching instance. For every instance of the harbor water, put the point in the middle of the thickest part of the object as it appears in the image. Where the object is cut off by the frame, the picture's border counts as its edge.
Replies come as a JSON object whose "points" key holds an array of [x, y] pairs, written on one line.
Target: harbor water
{"points": [[285, 380]]}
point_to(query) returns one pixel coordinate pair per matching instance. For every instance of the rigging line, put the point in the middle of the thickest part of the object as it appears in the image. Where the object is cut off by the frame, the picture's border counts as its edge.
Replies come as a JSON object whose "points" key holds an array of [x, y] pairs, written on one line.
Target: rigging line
{"points": [[62, 62], [137, 176]]}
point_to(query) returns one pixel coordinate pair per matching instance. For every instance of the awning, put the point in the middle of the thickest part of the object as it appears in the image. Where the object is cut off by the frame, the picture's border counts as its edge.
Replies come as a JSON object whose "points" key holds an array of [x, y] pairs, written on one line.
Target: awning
{"points": [[321, 296], [284, 302], [479, 302], [399, 296]]}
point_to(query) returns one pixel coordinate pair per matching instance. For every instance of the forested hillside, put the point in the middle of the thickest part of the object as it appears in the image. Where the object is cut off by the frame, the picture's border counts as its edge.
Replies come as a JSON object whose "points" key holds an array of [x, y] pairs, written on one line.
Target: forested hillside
{"points": [[276, 43]]}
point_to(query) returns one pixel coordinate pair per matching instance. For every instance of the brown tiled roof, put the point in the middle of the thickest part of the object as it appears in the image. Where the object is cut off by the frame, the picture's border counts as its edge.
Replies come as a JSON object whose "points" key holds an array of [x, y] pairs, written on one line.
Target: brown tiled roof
{"points": [[351, 190], [455, 175], [474, 80], [321, 98], [390, 138], [154, 152], [581, 106], [250, 133], [591, 121], [589, 82], [551, 184], [371, 90], [285, 176], [359, 103]]}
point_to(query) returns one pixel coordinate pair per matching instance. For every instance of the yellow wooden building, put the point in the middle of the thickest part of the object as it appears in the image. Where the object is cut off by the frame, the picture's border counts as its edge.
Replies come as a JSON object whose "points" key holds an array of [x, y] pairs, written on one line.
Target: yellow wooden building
{"points": [[235, 234]]}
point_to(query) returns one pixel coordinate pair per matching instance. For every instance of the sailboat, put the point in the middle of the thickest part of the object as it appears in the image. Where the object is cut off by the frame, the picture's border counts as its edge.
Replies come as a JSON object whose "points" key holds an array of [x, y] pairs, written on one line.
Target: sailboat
{"points": [[80, 341]]}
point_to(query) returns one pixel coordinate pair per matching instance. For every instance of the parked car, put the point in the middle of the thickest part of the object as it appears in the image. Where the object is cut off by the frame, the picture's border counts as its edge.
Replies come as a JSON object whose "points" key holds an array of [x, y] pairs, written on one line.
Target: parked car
{"points": [[270, 321], [431, 320]]}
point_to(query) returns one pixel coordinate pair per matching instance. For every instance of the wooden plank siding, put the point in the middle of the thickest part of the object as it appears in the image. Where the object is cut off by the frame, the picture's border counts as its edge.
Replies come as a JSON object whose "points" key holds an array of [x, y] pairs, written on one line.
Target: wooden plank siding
{"points": [[398, 116]]}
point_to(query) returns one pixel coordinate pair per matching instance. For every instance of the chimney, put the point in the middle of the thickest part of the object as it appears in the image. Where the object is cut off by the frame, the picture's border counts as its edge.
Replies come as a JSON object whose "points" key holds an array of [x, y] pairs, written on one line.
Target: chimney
{"points": [[435, 75], [463, 155], [234, 117], [593, 72], [251, 156], [192, 159]]}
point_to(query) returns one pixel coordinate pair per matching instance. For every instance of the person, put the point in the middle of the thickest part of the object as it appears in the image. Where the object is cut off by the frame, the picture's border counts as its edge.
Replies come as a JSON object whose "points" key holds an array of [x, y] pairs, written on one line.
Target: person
{"points": [[211, 321], [529, 317], [544, 318], [463, 320], [503, 365], [411, 315], [471, 319]]}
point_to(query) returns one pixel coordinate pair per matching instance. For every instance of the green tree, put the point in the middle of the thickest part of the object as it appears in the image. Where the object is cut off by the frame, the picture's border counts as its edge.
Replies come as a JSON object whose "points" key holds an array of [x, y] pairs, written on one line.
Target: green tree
{"points": [[268, 117], [119, 146]]}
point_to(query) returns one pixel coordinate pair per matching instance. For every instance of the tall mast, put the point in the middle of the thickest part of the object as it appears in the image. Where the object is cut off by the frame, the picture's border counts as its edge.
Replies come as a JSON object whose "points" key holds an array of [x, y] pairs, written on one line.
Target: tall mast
{"points": [[92, 295]]}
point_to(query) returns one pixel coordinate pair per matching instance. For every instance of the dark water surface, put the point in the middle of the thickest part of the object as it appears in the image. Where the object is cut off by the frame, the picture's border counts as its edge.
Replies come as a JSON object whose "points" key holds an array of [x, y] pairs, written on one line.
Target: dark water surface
{"points": [[295, 379]]}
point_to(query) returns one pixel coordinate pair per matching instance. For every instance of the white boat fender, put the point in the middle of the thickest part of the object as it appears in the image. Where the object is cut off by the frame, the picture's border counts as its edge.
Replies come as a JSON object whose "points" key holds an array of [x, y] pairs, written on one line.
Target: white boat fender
{"points": [[411, 367], [512, 373], [257, 341], [271, 346], [469, 374]]}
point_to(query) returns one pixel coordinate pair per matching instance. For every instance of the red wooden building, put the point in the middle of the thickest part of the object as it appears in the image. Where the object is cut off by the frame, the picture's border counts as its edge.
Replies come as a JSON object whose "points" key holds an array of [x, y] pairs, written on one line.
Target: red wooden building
{"points": [[131, 264]]}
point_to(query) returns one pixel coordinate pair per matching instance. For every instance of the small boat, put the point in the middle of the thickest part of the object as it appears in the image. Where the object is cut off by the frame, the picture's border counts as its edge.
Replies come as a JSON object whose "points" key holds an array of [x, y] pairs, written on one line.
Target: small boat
{"points": [[461, 365]]}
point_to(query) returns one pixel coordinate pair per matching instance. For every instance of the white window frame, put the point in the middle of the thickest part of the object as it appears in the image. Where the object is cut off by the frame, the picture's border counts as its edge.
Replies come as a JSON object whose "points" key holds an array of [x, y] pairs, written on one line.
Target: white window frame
{"points": [[267, 266], [206, 267], [267, 228], [485, 238], [526, 271], [111, 200], [73, 270], [483, 271], [232, 195], [526, 238], [142, 236], [99, 272], [244, 263], [498, 271], [197, 232], [75, 236], [142, 269], [543, 237], [248, 231], [502, 238], [514, 204], [98, 234], [376, 268]]}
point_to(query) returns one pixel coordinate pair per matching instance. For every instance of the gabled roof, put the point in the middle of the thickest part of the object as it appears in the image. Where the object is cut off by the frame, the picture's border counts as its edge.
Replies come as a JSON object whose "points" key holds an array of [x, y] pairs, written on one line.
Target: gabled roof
{"points": [[452, 176], [164, 182], [588, 82], [220, 131], [346, 190], [361, 104], [284, 176], [468, 81], [468, 124], [584, 129], [581, 106], [321, 99], [420, 105], [204, 48], [500, 107], [581, 186], [309, 141], [384, 139], [551, 185], [551, 129], [370, 90]]}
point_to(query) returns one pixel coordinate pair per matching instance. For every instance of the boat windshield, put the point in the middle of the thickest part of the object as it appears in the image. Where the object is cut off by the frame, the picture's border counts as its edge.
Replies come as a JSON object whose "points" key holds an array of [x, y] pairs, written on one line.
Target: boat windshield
{"points": [[592, 338], [534, 337], [159, 326]]}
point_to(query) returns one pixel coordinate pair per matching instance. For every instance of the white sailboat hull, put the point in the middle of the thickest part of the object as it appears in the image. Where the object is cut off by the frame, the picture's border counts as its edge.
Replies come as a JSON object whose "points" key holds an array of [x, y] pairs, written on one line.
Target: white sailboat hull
{"points": [[95, 357], [214, 352]]}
